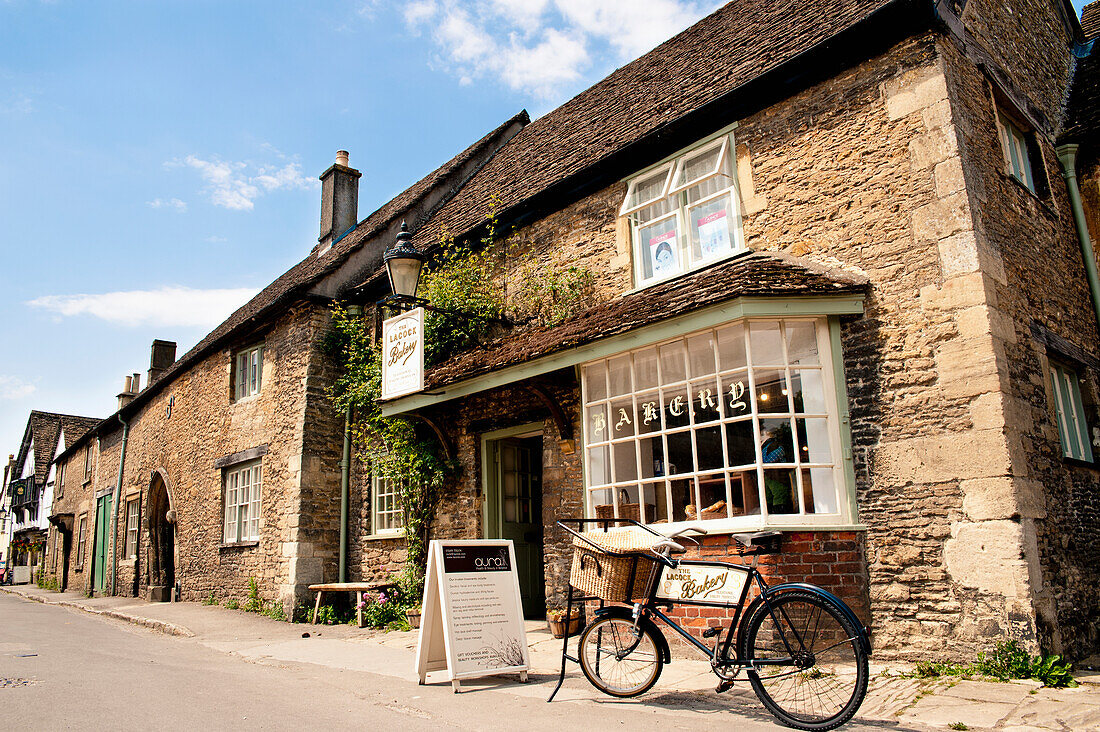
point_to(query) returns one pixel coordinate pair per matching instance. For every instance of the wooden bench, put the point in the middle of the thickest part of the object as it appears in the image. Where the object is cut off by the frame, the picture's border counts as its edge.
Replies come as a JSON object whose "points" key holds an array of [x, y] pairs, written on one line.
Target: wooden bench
{"points": [[357, 587]]}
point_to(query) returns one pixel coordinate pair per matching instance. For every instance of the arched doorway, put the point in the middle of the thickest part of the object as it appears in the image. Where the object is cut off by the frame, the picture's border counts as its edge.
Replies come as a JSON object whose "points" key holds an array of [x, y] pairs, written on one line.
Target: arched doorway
{"points": [[162, 542]]}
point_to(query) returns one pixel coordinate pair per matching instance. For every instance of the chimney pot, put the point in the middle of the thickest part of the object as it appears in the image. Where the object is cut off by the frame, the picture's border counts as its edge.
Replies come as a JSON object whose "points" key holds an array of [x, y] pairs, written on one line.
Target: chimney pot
{"points": [[127, 384], [161, 357], [339, 201], [136, 384]]}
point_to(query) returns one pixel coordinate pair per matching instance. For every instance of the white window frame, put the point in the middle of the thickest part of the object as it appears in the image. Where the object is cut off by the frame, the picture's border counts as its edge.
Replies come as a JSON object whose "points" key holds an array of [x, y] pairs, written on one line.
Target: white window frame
{"points": [[844, 490], [387, 518], [1069, 410], [242, 499], [59, 483], [248, 365], [1015, 148], [81, 539], [133, 520], [675, 196]]}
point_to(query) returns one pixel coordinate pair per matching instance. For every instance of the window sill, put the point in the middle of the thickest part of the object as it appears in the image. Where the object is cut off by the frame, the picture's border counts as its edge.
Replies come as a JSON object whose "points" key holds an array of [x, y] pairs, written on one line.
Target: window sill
{"points": [[1074, 462], [747, 527], [248, 399], [1043, 204], [380, 537], [238, 545], [653, 283]]}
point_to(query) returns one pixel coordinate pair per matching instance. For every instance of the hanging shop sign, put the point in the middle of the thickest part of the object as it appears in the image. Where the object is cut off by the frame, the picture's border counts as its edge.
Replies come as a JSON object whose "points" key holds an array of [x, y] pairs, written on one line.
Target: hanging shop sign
{"points": [[403, 354], [472, 617]]}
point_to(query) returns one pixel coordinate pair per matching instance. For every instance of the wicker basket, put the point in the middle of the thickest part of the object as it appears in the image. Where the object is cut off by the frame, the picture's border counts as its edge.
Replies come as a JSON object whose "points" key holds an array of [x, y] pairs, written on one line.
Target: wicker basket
{"points": [[627, 510], [613, 577]]}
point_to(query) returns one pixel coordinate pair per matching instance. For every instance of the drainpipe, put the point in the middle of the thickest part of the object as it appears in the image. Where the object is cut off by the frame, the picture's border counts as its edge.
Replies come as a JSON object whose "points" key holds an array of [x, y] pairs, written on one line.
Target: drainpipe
{"points": [[1067, 156], [117, 496], [354, 311]]}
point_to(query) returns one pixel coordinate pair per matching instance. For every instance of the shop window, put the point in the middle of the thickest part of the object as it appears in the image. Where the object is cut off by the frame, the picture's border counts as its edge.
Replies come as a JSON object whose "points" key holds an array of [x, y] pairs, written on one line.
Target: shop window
{"points": [[387, 516], [736, 423], [685, 213], [81, 538], [249, 371], [242, 503], [132, 517], [1070, 412]]}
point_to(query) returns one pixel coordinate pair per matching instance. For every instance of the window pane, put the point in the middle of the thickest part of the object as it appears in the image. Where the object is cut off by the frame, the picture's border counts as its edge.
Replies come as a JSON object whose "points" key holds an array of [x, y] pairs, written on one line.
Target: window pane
{"points": [[771, 391], [731, 348], [619, 372], [645, 369], [595, 381], [809, 391], [672, 362], [740, 443], [708, 445], [779, 491], [652, 455], [659, 248], [626, 466], [712, 497], [777, 445], [802, 343], [818, 490], [693, 167], [649, 412], [706, 400], [767, 347], [680, 459], [735, 394], [677, 406], [646, 189], [599, 468], [813, 440], [713, 227], [700, 351], [597, 423]]}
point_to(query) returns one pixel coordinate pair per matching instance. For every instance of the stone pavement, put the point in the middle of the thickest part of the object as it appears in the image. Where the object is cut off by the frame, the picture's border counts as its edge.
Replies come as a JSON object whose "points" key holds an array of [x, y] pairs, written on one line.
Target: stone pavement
{"points": [[686, 686]]}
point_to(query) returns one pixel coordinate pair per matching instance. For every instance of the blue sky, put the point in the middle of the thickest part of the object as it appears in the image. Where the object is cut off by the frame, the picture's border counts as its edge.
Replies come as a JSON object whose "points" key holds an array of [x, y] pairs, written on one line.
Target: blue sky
{"points": [[159, 160]]}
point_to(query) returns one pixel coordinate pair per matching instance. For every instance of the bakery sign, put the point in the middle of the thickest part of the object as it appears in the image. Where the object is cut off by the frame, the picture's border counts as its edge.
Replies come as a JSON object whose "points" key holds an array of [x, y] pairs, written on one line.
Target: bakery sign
{"points": [[403, 354]]}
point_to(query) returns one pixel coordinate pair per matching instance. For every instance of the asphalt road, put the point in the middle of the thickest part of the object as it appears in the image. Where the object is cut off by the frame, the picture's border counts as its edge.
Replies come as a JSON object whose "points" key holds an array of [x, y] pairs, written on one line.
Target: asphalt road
{"points": [[63, 669]]}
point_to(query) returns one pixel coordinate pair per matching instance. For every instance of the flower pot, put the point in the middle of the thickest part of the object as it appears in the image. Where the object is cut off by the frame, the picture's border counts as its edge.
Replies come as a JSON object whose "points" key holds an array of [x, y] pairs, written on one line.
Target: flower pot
{"points": [[413, 616], [558, 628]]}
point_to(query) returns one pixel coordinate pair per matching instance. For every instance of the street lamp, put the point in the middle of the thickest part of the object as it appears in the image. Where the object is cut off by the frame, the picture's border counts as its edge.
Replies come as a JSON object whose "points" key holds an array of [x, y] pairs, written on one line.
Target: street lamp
{"points": [[403, 265]]}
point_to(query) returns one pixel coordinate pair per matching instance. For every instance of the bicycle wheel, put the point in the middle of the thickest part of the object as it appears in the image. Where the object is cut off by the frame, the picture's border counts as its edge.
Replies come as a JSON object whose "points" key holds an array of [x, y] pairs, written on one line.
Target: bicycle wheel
{"points": [[822, 677], [619, 660]]}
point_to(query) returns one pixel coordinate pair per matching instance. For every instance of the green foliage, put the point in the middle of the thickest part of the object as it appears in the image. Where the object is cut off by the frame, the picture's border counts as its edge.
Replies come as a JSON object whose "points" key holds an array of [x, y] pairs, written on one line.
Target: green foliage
{"points": [[383, 611], [210, 599], [232, 604], [327, 615], [47, 582], [274, 610], [548, 296], [253, 604], [958, 725], [1006, 661]]}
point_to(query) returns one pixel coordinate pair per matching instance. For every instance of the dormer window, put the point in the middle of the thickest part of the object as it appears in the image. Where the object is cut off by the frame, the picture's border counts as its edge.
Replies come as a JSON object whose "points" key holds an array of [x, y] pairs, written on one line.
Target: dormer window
{"points": [[684, 212]]}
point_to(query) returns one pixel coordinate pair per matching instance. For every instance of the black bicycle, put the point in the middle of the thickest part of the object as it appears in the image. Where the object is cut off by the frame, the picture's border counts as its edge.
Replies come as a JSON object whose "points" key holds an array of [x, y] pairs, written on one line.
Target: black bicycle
{"points": [[803, 650]]}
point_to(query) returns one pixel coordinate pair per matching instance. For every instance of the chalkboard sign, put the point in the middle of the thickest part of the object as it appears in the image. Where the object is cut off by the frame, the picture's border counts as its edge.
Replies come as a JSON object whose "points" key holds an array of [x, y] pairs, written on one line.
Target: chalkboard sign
{"points": [[472, 618]]}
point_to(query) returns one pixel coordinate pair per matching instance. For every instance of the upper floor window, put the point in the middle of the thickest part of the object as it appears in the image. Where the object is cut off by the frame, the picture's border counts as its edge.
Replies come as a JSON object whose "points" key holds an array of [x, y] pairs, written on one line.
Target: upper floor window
{"points": [[88, 462], [59, 483], [387, 516], [737, 423], [242, 503], [684, 213], [249, 374], [1070, 410], [1014, 145]]}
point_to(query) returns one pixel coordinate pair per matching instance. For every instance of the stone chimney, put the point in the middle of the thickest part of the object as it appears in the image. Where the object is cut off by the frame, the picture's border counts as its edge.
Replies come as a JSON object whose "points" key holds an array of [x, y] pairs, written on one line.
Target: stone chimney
{"points": [[130, 388], [339, 201], [163, 355]]}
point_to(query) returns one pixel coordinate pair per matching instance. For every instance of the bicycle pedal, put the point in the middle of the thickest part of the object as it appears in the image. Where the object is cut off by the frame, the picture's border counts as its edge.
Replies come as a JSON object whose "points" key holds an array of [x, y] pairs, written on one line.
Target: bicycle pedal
{"points": [[724, 685], [711, 632]]}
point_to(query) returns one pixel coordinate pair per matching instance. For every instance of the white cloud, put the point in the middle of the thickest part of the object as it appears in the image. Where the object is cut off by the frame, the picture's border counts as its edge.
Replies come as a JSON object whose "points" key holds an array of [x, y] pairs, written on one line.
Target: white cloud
{"points": [[173, 203], [236, 185], [215, 239], [167, 306], [12, 387], [542, 46]]}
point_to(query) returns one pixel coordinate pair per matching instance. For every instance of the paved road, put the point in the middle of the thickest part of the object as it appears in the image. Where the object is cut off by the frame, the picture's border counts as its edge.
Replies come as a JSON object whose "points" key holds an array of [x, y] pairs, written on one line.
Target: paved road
{"points": [[63, 669]]}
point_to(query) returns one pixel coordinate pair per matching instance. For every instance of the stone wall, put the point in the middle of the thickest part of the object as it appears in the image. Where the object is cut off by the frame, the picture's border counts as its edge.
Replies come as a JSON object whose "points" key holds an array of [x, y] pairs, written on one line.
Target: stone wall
{"points": [[76, 498]]}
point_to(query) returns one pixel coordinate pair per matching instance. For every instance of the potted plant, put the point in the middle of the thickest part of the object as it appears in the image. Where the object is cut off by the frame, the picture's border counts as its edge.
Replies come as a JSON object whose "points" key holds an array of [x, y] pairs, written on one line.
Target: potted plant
{"points": [[560, 625], [412, 614]]}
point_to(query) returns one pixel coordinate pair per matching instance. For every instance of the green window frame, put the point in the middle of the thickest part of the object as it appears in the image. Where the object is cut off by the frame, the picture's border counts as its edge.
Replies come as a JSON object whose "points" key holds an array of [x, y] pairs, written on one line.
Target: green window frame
{"points": [[1073, 430]]}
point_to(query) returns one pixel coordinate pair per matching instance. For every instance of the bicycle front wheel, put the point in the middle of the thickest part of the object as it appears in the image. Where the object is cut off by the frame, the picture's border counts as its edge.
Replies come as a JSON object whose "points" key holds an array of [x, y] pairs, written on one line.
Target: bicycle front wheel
{"points": [[618, 659], [814, 670]]}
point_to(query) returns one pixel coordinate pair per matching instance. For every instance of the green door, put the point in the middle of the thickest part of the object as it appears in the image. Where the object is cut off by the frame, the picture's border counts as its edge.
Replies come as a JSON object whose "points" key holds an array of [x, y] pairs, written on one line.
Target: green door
{"points": [[519, 493], [99, 548]]}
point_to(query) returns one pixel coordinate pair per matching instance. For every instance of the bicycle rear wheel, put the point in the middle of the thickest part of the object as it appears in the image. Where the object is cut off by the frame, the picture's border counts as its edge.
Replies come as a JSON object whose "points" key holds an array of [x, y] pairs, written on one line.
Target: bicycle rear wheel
{"points": [[821, 675], [619, 660]]}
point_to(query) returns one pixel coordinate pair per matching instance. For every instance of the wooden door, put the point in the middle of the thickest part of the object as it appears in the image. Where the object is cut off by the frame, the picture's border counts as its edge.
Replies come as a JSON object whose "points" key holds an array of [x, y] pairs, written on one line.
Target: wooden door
{"points": [[99, 547], [519, 492]]}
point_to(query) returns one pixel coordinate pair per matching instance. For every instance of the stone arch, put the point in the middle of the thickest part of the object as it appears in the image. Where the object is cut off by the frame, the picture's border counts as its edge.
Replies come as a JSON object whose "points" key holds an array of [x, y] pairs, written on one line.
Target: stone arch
{"points": [[161, 522]]}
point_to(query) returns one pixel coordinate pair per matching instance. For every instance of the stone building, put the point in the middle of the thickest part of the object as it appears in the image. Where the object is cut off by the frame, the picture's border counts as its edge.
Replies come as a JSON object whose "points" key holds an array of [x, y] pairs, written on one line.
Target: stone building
{"points": [[836, 290], [33, 484]]}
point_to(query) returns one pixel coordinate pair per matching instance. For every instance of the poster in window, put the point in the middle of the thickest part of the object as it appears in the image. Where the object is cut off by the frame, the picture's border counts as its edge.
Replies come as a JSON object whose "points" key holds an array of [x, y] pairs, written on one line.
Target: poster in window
{"points": [[662, 253], [714, 233]]}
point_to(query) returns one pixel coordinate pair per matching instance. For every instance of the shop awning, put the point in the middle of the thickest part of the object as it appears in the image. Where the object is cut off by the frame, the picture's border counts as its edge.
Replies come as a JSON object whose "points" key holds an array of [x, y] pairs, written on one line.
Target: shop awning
{"points": [[759, 284]]}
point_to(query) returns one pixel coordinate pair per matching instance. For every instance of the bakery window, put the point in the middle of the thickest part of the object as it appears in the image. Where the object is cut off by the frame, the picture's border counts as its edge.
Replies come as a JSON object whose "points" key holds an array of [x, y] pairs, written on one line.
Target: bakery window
{"points": [[684, 213], [737, 424]]}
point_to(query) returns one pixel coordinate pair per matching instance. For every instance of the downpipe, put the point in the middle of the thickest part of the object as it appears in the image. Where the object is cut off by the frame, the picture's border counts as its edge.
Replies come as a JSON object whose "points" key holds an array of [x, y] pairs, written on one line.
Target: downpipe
{"points": [[114, 509], [1067, 156]]}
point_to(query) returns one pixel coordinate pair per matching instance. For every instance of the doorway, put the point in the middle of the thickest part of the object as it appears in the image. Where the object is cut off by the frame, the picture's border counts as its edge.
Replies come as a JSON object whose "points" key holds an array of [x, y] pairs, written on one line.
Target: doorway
{"points": [[162, 541], [99, 546], [512, 470]]}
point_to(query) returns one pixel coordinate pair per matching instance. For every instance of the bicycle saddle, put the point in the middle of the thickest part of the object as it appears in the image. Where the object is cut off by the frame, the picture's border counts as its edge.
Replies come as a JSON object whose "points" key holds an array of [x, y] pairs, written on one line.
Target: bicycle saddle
{"points": [[756, 537]]}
